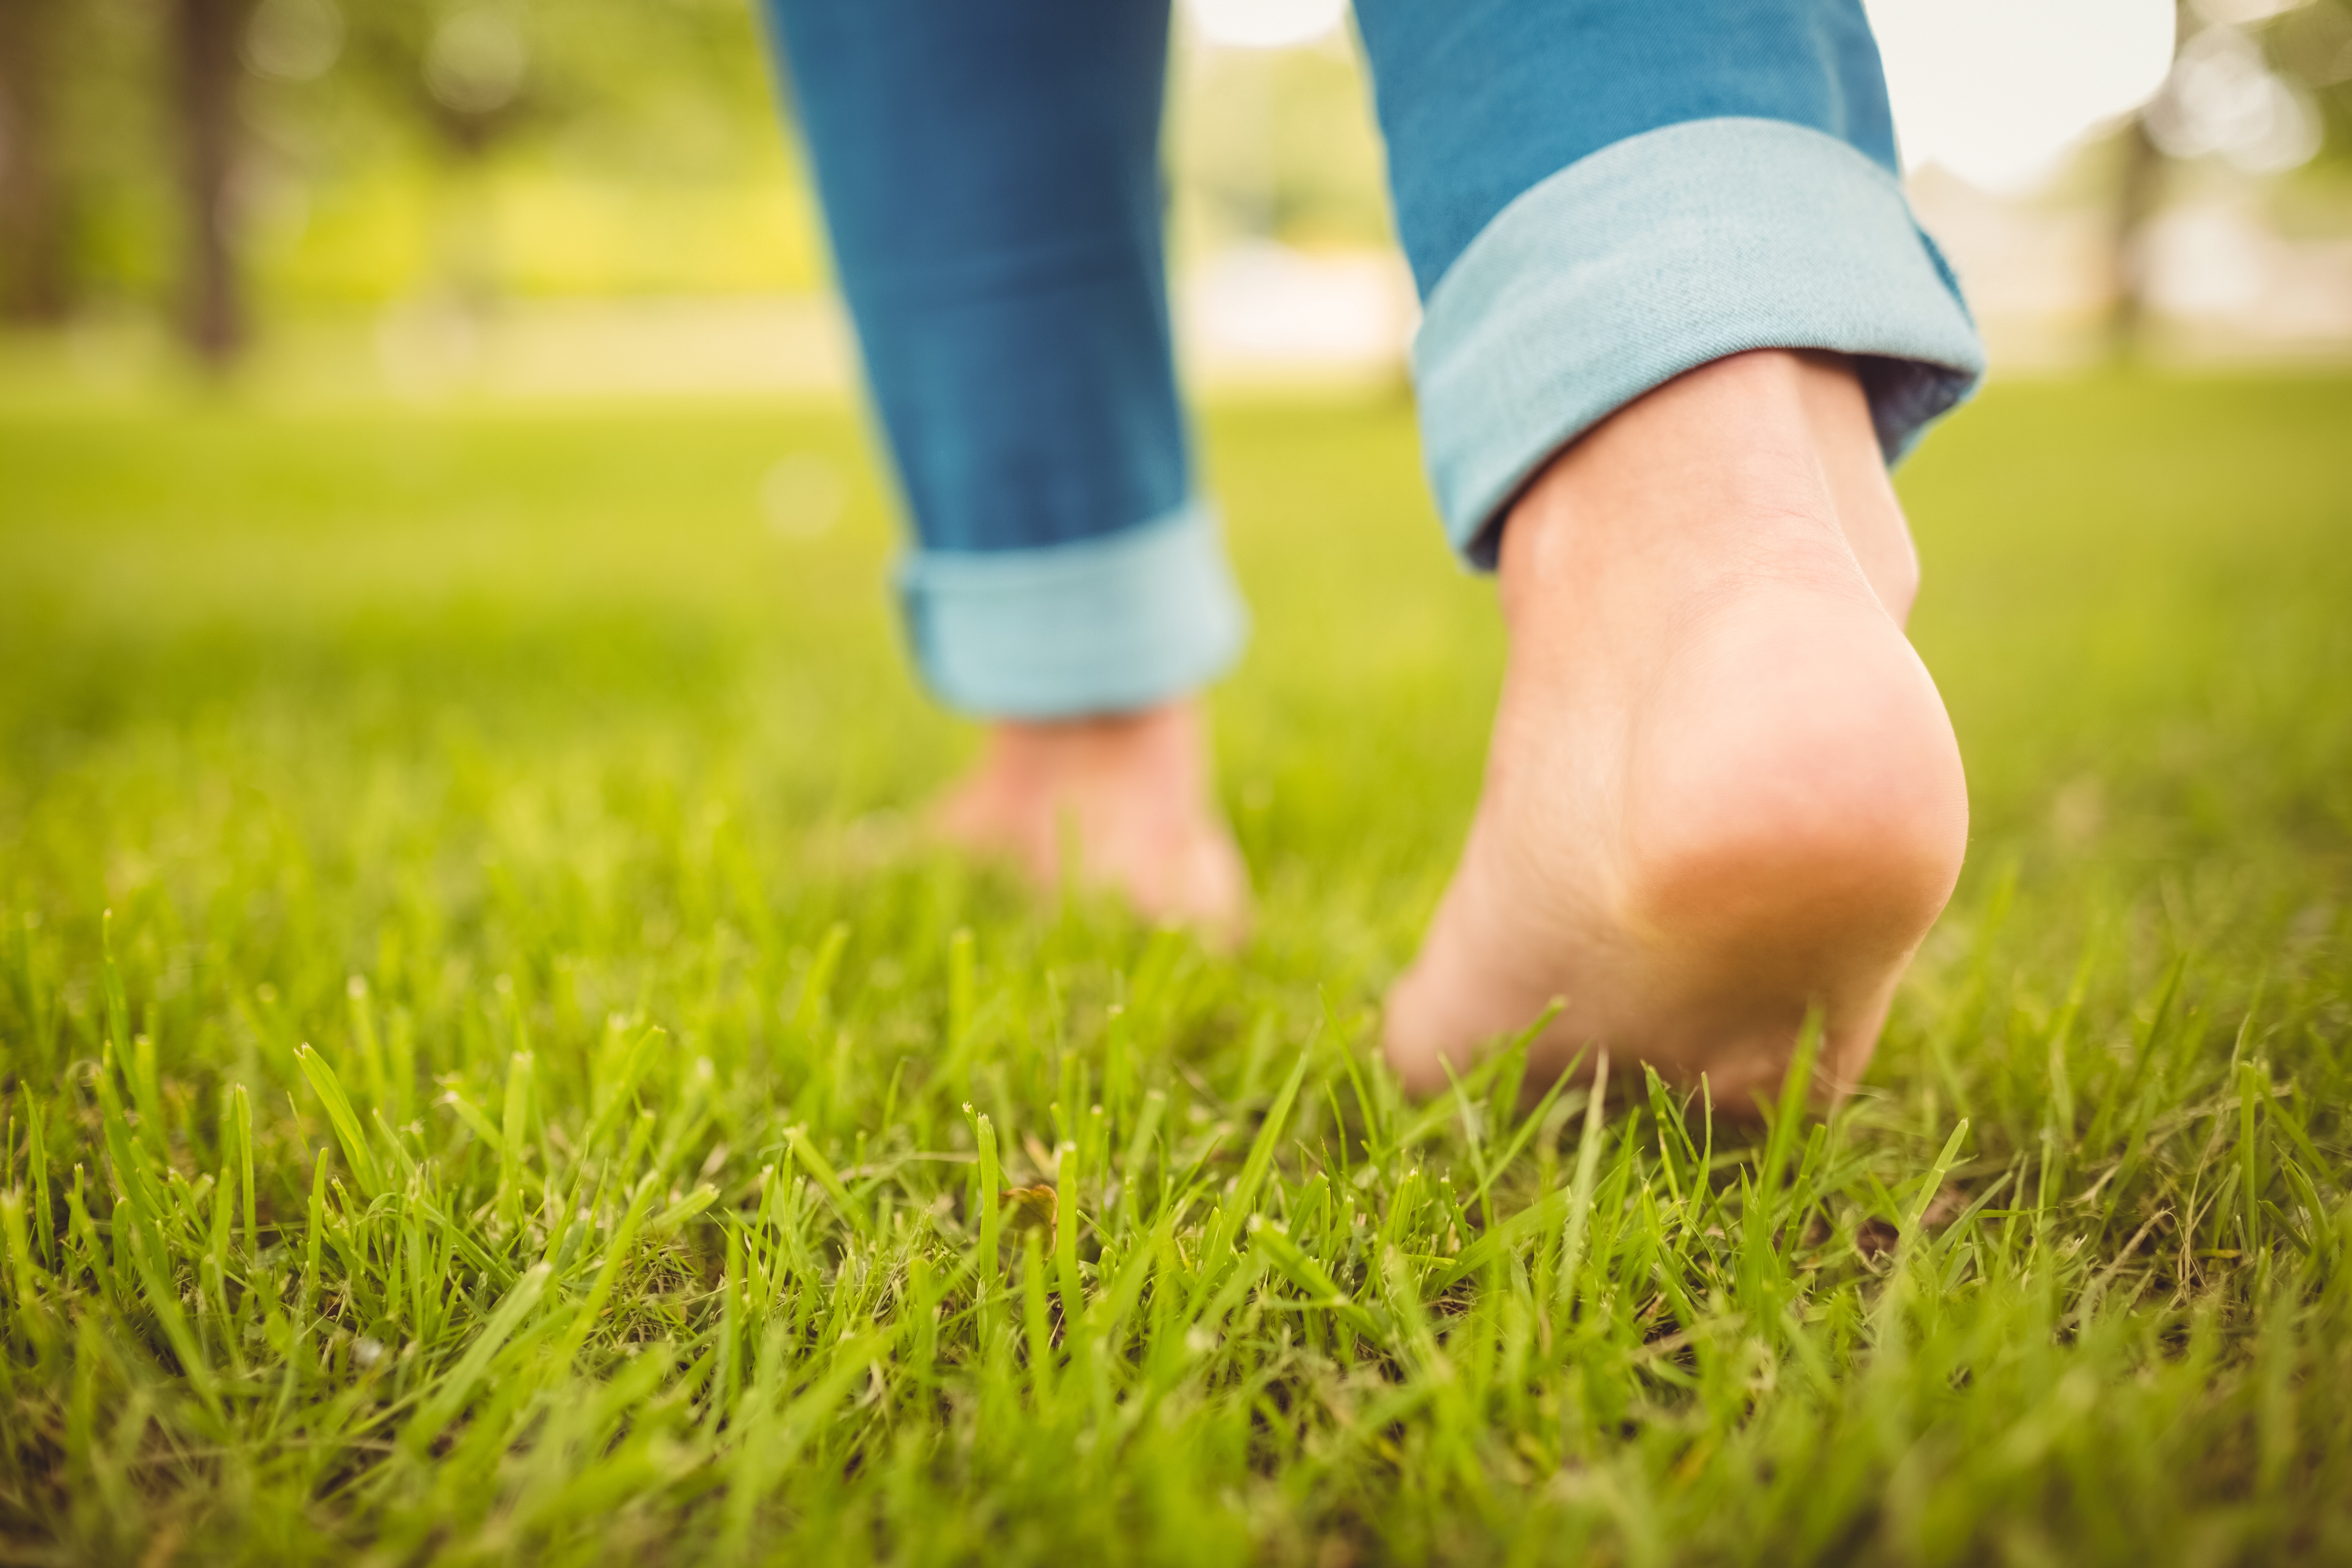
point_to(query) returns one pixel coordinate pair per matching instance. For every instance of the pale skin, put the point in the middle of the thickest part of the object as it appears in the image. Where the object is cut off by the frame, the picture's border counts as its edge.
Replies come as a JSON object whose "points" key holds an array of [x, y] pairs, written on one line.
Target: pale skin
{"points": [[1721, 788], [1133, 793]]}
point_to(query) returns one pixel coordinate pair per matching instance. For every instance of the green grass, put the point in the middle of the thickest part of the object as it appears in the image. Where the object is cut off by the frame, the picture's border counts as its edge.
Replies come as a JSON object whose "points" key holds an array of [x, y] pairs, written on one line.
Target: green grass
{"points": [[532, 1098]]}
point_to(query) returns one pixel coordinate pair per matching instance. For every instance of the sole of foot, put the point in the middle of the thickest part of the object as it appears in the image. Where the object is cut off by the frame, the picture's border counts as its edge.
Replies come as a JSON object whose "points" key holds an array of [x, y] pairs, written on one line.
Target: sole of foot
{"points": [[1722, 791], [1116, 801]]}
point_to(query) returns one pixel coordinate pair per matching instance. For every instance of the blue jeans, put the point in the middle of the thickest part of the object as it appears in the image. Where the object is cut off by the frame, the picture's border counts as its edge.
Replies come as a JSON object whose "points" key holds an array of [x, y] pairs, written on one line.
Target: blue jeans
{"points": [[1595, 195]]}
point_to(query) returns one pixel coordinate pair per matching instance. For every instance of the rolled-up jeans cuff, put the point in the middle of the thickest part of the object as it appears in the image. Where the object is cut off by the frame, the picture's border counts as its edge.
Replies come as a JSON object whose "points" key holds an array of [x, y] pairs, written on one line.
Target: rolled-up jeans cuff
{"points": [[1106, 624], [1655, 256]]}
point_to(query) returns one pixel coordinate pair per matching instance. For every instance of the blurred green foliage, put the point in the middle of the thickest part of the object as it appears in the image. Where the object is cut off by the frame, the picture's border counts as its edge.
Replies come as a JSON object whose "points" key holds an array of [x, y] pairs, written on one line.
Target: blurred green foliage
{"points": [[474, 147], [397, 144], [2310, 44], [465, 149]]}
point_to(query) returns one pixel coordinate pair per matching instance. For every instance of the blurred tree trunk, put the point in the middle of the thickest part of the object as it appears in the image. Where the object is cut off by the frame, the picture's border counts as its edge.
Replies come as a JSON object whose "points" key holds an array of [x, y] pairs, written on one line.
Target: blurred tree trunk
{"points": [[2137, 194], [207, 35], [34, 284]]}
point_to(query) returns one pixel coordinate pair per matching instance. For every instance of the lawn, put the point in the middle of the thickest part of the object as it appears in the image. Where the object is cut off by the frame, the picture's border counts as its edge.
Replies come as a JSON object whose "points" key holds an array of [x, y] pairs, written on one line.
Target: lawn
{"points": [[491, 1073]]}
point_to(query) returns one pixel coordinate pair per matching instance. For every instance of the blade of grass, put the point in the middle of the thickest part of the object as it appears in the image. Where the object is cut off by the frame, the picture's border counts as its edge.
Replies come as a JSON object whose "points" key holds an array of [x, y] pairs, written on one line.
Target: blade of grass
{"points": [[357, 1156], [1580, 1191]]}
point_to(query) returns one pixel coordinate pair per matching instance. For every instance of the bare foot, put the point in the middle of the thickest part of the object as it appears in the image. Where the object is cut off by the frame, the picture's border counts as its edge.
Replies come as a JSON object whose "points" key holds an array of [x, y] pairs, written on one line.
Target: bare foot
{"points": [[1721, 786], [1127, 792]]}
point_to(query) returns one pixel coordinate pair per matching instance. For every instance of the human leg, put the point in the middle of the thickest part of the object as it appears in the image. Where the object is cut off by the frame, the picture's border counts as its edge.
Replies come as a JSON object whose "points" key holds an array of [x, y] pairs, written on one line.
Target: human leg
{"points": [[989, 174], [1721, 788]]}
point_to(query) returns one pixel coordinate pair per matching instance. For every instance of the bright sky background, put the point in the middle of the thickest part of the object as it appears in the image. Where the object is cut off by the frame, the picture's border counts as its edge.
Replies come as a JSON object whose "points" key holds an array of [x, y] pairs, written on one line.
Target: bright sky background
{"points": [[1998, 90], [1995, 91], [1265, 24]]}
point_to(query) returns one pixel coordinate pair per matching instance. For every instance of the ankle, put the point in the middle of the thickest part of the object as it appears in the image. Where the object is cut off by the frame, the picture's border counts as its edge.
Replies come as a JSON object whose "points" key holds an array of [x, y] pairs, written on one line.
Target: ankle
{"points": [[1168, 740], [1758, 462], [1127, 795]]}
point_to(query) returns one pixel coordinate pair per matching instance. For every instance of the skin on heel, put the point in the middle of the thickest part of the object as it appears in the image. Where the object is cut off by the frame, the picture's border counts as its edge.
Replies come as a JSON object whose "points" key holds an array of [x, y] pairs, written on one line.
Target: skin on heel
{"points": [[1117, 801], [1721, 788]]}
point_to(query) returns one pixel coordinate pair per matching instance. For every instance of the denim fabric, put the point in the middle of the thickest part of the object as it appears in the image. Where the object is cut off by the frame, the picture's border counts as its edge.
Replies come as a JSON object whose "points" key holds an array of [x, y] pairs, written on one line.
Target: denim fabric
{"points": [[1482, 100], [990, 171], [1651, 258], [1594, 196], [1133, 617]]}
